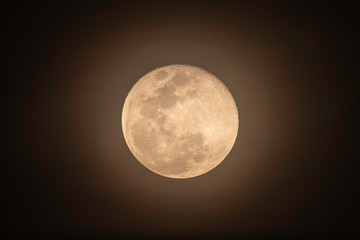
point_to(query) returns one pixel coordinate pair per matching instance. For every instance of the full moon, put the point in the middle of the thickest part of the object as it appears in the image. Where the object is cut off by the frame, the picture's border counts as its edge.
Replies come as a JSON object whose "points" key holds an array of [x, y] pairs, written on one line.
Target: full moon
{"points": [[180, 121]]}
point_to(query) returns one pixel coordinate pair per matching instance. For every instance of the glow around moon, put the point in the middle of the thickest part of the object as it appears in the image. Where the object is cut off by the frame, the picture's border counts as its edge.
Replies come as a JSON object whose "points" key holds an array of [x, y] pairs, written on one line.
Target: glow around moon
{"points": [[180, 121]]}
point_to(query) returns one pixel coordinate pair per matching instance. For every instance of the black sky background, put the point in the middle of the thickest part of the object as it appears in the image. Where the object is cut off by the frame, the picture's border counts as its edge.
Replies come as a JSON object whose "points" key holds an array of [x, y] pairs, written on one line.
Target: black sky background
{"points": [[60, 187]]}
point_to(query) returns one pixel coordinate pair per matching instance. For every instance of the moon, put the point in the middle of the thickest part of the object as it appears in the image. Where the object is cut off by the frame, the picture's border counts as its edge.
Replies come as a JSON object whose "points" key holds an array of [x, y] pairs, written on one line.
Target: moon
{"points": [[180, 121]]}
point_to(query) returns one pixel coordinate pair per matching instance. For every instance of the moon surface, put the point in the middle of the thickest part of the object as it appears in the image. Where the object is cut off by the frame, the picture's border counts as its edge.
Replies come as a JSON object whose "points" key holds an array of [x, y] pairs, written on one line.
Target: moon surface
{"points": [[180, 121]]}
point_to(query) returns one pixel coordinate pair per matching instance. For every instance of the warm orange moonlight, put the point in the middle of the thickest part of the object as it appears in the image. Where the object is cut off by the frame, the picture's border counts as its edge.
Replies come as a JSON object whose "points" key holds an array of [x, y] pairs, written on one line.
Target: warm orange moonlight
{"points": [[180, 121]]}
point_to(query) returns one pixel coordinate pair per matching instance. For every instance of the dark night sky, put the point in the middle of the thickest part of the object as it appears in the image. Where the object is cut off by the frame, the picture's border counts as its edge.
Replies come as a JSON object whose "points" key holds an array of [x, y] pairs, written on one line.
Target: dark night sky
{"points": [[290, 67]]}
